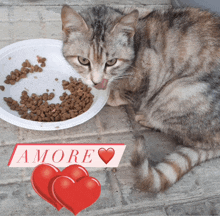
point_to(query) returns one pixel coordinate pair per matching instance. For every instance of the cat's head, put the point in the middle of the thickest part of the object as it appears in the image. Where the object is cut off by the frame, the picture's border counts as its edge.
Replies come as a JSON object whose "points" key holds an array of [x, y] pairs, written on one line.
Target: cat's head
{"points": [[98, 42]]}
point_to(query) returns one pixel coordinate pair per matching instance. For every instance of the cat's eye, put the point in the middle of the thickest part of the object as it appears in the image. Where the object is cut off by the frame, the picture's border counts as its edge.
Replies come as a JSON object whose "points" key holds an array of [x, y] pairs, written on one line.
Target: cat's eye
{"points": [[83, 61], [111, 62]]}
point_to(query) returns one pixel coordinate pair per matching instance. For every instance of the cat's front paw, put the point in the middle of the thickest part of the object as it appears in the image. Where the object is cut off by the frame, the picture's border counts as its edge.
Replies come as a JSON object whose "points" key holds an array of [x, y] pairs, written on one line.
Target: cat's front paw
{"points": [[112, 102], [141, 119], [115, 99]]}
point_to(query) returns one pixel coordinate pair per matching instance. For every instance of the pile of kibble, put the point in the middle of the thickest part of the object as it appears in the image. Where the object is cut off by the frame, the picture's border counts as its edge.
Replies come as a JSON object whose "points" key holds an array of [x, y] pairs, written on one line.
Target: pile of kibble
{"points": [[16, 75], [37, 108]]}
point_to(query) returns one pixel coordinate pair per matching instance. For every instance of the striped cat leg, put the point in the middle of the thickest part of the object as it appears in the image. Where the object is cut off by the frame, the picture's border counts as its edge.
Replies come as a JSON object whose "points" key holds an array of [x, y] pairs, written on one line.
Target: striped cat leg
{"points": [[141, 118], [168, 172]]}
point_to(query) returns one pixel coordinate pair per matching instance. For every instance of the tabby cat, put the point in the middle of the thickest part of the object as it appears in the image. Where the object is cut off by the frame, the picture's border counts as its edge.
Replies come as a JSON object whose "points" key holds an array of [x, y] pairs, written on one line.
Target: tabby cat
{"points": [[166, 64]]}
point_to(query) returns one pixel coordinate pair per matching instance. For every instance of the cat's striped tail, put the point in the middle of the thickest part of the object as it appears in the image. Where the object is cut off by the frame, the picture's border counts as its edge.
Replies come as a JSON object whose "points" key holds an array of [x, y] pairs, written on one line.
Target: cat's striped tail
{"points": [[168, 172]]}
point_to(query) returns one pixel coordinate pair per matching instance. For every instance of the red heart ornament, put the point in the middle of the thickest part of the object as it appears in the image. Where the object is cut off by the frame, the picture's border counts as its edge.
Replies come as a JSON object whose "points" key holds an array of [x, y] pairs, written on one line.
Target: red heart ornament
{"points": [[44, 175], [106, 155], [42, 180], [76, 196], [75, 172]]}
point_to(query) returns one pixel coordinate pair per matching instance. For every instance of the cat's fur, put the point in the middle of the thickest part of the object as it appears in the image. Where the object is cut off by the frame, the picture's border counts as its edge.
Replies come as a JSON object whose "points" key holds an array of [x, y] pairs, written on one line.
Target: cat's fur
{"points": [[168, 69]]}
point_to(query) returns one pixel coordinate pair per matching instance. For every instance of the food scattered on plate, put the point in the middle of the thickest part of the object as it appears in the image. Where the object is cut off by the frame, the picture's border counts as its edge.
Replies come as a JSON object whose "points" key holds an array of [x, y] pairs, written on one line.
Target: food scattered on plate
{"points": [[26, 68], [37, 108]]}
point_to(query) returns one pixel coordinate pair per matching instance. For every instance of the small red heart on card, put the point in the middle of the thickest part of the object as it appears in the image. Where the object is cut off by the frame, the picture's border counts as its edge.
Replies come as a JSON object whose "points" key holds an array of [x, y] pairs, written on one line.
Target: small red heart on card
{"points": [[76, 196], [106, 155], [44, 175]]}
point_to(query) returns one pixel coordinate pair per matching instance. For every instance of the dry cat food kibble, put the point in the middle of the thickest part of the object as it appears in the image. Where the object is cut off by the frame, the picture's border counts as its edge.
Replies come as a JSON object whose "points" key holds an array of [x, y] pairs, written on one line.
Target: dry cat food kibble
{"points": [[2, 87], [16, 75], [41, 60], [36, 107]]}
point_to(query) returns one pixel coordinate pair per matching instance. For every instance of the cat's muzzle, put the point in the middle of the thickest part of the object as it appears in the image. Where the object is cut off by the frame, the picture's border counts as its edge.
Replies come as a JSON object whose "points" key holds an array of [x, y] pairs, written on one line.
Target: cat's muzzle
{"points": [[102, 85]]}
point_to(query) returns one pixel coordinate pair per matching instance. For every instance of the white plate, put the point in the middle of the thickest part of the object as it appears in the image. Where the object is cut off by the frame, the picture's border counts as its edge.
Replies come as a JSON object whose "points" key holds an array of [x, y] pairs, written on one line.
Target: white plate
{"points": [[11, 58]]}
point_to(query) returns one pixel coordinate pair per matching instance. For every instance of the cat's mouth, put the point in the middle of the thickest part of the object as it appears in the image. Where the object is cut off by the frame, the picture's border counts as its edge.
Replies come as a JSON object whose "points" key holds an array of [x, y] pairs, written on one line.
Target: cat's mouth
{"points": [[102, 85]]}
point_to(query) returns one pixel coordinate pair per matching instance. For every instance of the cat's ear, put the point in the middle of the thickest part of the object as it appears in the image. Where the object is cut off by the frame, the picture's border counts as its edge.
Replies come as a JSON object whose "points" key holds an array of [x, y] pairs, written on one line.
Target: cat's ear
{"points": [[127, 24], [72, 21]]}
